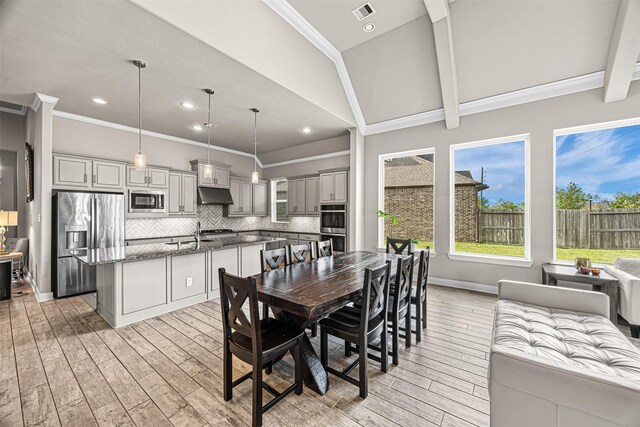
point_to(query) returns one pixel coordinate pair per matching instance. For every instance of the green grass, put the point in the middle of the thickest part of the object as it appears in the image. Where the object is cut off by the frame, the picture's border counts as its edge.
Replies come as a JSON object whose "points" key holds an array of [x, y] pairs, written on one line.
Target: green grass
{"points": [[603, 256]]}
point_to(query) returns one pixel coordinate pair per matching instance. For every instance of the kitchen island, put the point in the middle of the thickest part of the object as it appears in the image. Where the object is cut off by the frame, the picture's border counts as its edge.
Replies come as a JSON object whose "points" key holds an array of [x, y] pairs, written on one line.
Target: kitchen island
{"points": [[135, 283]]}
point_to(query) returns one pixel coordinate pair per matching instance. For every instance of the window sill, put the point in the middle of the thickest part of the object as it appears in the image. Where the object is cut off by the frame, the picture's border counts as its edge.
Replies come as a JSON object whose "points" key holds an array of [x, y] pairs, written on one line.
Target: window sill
{"points": [[485, 259], [599, 265]]}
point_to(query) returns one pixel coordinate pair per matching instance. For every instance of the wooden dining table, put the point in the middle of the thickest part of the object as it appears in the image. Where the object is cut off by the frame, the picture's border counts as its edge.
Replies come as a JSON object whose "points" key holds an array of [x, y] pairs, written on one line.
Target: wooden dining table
{"points": [[306, 292]]}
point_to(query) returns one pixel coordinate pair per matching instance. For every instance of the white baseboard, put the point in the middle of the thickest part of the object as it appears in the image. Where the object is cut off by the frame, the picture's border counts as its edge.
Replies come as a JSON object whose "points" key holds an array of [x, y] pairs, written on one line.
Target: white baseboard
{"points": [[40, 297], [471, 286]]}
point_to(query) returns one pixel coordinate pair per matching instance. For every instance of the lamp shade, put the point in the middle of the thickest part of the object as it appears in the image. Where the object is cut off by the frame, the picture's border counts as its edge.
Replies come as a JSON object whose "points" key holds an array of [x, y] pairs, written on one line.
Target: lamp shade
{"points": [[8, 218]]}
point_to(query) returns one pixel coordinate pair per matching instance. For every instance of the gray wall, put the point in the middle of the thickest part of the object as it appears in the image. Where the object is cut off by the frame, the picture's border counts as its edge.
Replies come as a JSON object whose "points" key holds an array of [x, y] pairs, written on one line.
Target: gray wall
{"points": [[82, 138], [12, 138], [539, 119]]}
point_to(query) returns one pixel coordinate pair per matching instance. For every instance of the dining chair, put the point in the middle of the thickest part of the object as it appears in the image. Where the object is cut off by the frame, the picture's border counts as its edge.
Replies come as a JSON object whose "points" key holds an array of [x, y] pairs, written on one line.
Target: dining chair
{"points": [[420, 298], [270, 260], [361, 326], [324, 248], [254, 341], [300, 253], [399, 246]]}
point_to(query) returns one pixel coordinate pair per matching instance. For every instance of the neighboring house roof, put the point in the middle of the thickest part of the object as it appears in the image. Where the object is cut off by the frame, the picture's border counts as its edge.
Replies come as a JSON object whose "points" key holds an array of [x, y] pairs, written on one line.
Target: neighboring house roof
{"points": [[417, 171]]}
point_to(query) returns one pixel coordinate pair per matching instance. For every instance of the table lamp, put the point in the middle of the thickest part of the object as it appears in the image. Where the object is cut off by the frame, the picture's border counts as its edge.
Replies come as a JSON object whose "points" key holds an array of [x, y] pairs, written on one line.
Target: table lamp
{"points": [[7, 219]]}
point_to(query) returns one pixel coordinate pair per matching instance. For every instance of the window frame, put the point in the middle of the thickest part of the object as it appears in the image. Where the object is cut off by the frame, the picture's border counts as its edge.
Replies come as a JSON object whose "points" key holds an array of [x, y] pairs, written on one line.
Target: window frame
{"points": [[524, 261], [388, 156], [273, 201], [569, 131]]}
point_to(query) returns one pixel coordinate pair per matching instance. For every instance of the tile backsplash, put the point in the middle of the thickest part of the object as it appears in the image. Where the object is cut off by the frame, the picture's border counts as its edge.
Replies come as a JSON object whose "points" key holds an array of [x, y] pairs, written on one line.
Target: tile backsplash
{"points": [[210, 217]]}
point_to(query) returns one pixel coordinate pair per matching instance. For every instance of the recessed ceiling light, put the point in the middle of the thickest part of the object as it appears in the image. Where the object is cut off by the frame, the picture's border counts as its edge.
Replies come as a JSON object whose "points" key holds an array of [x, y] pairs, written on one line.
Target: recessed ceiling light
{"points": [[306, 129], [196, 127], [369, 27], [188, 105], [99, 101]]}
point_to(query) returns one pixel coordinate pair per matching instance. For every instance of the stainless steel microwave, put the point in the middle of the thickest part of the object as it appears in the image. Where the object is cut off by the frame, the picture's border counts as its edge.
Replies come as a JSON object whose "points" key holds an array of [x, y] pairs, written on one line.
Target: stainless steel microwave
{"points": [[147, 201]]}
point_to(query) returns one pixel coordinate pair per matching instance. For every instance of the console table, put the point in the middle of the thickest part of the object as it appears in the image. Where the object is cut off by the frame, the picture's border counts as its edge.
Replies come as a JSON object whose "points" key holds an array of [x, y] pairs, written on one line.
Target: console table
{"points": [[605, 282]]}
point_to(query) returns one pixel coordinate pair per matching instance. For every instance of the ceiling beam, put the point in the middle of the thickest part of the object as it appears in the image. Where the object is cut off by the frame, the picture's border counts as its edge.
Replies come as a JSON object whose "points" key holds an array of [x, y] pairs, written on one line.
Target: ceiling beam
{"points": [[440, 17], [623, 52]]}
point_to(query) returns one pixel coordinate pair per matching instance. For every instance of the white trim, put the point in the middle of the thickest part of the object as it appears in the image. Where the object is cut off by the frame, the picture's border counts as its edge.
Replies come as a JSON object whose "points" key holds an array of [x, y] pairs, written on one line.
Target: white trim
{"points": [[406, 122], [381, 160], [298, 22], [21, 112], [490, 259], [308, 159], [40, 297], [568, 131], [471, 286], [39, 98], [464, 256]]}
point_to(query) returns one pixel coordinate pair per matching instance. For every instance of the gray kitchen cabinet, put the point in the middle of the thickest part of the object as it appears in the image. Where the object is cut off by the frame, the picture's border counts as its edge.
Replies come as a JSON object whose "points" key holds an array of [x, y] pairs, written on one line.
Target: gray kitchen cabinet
{"points": [[147, 177], [312, 195], [260, 199], [227, 259], [296, 197], [333, 187], [71, 171], [144, 285], [108, 175], [188, 275], [243, 193], [220, 178], [182, 194], [79, 172]]}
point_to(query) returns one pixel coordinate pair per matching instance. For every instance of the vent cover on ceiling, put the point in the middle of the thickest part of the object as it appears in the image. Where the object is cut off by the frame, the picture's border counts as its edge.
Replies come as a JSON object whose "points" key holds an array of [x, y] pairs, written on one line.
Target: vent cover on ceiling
{"points": [[364, 11]]}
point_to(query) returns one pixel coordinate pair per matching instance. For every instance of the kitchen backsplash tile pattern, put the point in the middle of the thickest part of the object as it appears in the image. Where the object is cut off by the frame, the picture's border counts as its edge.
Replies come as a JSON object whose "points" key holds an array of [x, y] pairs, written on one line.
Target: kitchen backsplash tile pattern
{"points": [[210, 217]]}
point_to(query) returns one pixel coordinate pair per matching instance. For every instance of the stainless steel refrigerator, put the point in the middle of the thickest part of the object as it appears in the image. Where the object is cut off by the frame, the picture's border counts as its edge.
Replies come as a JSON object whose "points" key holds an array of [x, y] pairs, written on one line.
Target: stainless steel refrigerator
{"points": [[82, 221]]}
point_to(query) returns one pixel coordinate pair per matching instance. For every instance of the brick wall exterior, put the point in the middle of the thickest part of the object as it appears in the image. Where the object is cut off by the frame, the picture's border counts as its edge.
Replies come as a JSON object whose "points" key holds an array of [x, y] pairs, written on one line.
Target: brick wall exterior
{"points": [[413, 206]]}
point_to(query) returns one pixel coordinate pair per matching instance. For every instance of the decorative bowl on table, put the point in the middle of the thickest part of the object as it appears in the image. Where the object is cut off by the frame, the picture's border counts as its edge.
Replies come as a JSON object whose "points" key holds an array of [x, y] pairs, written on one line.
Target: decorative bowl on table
{"points": [[595, 271], [584, 270], [582, 262]]}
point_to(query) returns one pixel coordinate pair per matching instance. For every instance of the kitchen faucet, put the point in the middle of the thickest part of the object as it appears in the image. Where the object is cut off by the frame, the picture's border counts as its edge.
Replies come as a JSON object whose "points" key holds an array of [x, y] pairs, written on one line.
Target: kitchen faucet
{"points": [[197, 232]]}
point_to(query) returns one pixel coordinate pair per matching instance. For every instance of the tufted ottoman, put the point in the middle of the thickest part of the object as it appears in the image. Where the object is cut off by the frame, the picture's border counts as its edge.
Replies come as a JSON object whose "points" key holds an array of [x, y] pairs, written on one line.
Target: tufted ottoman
{"points": [[557, 360]]}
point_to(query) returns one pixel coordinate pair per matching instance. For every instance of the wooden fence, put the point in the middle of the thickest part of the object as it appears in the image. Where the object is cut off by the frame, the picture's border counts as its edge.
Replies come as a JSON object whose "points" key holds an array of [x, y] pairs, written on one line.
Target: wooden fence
{"points": [[575, 228]]}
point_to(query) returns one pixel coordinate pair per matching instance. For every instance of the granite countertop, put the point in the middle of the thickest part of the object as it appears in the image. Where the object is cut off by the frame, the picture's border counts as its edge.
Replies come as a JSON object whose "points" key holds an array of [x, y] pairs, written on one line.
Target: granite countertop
{"points": [[212, 235], [157, 250]]}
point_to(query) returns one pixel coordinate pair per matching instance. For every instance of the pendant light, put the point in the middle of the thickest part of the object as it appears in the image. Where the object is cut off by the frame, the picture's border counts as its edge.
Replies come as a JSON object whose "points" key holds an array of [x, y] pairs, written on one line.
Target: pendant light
{"points": [[255, 176], [140, 160], [208, 169]]}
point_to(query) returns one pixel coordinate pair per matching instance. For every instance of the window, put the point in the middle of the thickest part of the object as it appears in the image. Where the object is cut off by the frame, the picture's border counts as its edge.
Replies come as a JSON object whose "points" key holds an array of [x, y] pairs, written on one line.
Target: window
{"points": [[406, 197], [489, 198], [279, 200], [597, 197]]}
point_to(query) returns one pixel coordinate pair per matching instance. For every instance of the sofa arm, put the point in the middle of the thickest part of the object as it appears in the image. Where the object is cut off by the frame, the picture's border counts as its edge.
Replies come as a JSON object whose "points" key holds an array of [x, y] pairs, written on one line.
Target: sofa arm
{"points": [[555, 297]]}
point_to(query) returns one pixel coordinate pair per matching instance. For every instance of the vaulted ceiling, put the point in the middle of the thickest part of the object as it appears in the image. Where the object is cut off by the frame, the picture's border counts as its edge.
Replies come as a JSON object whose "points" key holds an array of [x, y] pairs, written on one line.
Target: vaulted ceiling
{"points": [[309, 62]]}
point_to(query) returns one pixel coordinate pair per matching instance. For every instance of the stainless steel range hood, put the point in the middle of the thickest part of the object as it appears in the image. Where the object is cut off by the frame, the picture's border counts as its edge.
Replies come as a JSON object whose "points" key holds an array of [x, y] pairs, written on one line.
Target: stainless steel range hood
{"points": [[214, 196]]}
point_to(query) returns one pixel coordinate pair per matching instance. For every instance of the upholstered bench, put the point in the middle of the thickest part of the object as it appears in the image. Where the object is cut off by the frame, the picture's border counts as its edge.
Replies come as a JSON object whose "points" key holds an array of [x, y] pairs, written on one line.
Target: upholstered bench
{"points": [[557, 360]]}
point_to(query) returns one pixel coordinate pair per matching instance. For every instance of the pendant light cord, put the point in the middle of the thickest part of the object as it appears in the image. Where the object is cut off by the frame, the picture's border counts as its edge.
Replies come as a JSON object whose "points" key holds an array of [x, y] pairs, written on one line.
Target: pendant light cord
{"points": [[209, 131], [255, 140], [139, 109]]}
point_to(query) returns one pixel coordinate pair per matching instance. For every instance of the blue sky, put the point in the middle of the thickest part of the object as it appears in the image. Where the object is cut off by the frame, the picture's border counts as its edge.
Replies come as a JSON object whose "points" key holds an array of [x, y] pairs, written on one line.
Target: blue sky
{"points": [[504, 169], [602, 162]]}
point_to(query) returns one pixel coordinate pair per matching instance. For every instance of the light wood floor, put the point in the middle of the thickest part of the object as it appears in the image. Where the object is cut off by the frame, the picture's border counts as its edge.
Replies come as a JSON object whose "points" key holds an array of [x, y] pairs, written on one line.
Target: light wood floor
{"points": [[62, 364]]}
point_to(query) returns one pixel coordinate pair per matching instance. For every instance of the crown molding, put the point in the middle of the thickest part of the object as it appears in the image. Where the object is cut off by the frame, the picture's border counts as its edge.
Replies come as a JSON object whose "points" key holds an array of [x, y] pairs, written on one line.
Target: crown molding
{"points": [[299, 23], [405, 122], [21, 112], [103, 123], [39, 98], [309, 159]]}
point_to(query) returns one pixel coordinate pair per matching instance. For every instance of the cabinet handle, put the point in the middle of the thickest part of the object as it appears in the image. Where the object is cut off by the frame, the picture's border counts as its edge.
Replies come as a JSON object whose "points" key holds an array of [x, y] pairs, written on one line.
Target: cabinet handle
{"points": [[85, 178], [95, 178]]}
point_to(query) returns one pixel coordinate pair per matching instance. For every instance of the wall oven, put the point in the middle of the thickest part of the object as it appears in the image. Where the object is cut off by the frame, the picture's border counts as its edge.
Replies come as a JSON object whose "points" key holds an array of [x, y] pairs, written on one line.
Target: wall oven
{"points": [[333, 219], [339, 241], [147, 201]]}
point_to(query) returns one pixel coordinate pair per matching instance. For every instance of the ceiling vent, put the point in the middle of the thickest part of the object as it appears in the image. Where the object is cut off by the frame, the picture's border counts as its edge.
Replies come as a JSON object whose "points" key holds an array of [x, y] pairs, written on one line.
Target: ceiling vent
{"points": [[364, 11], [8, 107]]}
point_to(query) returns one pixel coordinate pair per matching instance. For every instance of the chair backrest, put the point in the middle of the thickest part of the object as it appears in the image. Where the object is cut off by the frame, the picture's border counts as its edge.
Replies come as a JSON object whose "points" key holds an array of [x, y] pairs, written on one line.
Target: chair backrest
{"points": [[324, 248], [300, 253], [275, 258], [423, 273], [403, 282], [234, 292], [398, 246], [375, 294]]}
